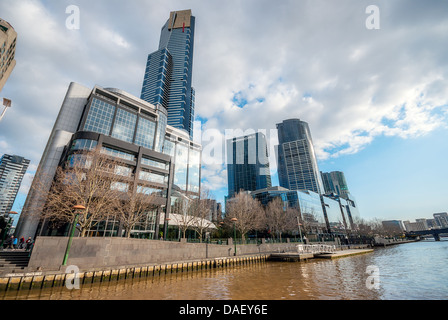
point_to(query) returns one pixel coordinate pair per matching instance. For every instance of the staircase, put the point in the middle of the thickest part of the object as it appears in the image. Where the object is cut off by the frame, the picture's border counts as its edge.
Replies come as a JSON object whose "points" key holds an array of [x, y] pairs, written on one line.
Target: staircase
{"points": [[14, 260]]}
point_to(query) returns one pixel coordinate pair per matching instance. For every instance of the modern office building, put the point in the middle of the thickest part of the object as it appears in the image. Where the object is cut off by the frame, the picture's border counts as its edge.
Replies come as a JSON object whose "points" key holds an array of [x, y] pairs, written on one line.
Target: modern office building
{"points": [[325, 214], [393, 226], [159, 159], [334, 182], [12, 170], [247, 164], [441, 219], [418, 225], [8, 38], [296, 159], [168, 75]]}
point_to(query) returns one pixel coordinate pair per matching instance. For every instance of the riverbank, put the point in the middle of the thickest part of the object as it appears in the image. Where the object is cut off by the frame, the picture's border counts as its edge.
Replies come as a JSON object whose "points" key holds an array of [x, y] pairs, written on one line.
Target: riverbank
{"points": [[49, 279]]}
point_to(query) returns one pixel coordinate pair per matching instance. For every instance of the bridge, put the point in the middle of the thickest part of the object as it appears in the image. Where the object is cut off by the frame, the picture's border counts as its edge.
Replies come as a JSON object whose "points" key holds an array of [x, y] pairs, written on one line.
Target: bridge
{"points": [[434, 232]]}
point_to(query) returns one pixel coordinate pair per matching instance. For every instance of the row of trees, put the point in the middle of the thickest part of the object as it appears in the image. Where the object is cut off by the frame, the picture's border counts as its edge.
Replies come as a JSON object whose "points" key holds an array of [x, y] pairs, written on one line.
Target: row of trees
{"points": [[106, 188], [249, 215]]}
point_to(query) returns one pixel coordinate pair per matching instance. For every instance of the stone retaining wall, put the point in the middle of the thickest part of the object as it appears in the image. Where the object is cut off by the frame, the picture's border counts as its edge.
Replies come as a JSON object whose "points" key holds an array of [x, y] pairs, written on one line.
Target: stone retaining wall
{"points": [[100, 253]]}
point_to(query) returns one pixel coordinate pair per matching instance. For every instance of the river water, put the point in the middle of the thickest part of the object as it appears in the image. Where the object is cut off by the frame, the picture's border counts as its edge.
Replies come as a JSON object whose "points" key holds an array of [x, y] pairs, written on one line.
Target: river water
{"points": [[412, 271]]}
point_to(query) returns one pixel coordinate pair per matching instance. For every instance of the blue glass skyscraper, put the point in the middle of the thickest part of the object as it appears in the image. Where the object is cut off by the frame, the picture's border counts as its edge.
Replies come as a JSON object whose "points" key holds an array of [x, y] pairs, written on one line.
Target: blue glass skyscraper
{"points": [[247, 164], [168, 74], [297, 163]]}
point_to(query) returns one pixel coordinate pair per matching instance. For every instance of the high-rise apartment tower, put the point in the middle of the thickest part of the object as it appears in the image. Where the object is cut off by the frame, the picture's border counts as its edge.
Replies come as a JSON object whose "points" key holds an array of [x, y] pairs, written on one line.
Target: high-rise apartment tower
{"points": [[12, 170]]}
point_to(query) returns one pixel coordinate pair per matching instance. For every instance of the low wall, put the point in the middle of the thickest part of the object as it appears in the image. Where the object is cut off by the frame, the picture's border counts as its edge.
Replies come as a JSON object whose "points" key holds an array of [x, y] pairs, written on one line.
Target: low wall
{"points": [[102, 253]]}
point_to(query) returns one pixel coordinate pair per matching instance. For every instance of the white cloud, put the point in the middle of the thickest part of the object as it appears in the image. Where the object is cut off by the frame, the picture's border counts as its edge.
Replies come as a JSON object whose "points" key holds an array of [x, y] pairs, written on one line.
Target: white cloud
{"points": [[310, 60]]}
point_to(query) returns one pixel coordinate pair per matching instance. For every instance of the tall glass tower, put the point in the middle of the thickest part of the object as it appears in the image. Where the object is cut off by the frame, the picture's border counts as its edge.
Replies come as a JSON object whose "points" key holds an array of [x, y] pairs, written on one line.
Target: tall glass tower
{"points": [[12, 170], [168, 74], [247, 164], [297, 163]]}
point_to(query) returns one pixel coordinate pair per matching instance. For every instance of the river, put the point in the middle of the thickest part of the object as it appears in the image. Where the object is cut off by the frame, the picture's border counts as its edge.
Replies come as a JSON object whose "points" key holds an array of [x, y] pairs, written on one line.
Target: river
{"points": [[412, 271]]}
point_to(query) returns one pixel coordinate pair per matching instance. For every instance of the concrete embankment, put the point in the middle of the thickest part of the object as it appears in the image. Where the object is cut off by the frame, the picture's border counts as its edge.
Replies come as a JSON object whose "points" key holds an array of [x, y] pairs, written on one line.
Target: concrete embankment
{"points": [[48, 279], [109, 259]]}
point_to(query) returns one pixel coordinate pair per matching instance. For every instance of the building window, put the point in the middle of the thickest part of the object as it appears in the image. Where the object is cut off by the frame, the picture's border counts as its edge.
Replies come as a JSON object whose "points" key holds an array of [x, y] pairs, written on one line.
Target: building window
{"points": [[145, 133], [123, 171], [100, 117], [124, 126], [119, 186], [154, 163], [84, 144], [118, 154], [152, 177]]}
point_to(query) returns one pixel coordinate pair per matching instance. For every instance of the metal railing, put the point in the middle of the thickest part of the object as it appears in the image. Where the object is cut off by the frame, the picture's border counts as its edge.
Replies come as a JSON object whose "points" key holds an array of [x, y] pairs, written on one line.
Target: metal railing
{"points": [[316, 248]]}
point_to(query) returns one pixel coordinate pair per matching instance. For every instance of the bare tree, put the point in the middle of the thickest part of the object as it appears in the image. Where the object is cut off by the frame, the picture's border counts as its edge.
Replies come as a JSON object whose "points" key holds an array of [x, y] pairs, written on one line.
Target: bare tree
{"points": [[133, 208], [86, 179], [201, 209], [280, 219], [182, 210], [248, 212]]}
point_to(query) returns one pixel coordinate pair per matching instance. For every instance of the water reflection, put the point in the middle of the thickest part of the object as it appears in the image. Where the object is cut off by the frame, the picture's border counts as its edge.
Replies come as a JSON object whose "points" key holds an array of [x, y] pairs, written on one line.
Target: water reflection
{"points": [[408, 271]]}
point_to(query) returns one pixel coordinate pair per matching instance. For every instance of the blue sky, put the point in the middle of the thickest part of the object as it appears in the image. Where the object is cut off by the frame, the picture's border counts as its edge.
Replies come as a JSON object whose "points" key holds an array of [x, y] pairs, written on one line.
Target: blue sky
{"points": [[375, 100]]}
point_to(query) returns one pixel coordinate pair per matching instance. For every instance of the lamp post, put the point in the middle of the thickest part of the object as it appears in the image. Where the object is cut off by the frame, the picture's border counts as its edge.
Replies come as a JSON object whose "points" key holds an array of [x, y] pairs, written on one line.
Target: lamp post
{"points": [[234, 220], [72, 232]]}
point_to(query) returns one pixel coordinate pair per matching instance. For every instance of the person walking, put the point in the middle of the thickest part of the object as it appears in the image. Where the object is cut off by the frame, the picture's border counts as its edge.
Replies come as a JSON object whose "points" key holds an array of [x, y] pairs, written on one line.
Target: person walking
{"points": [[10, 243], [21, 242], [29, 243], [14, 243]]}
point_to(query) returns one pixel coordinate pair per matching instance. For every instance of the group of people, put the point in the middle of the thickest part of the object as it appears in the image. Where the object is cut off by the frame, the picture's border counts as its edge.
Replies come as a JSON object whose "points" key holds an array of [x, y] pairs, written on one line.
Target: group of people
{"points": [[15, 243]]}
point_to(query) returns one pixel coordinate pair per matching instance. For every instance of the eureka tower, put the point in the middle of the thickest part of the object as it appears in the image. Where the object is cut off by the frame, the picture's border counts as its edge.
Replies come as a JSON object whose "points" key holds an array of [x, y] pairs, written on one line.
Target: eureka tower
{"points": [[168, 74]]}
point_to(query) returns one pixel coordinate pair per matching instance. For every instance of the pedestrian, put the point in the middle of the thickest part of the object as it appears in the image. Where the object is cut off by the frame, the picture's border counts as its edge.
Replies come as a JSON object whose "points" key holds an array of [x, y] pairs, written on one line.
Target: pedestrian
{"points": [[10, 243], [304, 240], [29, 243], [21, 242], [14, 243]]}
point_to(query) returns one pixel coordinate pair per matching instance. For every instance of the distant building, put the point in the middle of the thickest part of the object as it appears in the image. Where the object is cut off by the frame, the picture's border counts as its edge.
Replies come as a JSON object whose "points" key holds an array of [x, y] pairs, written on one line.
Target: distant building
{"points": [[393, 226], [296, 159], [441, 219], [418, 225], [247, 164], [8, 38], [12, 170], [334, 182]]}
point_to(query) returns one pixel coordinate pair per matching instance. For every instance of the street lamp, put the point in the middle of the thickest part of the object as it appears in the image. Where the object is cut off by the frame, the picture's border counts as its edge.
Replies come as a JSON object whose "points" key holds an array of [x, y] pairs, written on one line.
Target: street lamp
{"points": [[77, 208], [234, 220]]}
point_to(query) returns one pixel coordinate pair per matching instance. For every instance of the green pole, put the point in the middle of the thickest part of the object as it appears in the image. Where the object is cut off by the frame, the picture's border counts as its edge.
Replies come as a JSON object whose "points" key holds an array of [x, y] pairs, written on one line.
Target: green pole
{"points": [[69, 243], [234, 235]]}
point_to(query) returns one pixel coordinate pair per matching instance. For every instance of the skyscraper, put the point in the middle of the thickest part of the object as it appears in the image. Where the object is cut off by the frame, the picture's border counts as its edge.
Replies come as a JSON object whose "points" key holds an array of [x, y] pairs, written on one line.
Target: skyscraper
{"points": [[7, 51], [168, 74], [12, 170], [296, 159], [247, 164]]}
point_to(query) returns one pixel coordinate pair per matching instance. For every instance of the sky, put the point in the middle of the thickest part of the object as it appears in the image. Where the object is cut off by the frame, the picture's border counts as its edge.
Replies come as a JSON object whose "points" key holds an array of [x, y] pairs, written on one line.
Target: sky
{"points": [[376, 99]]}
